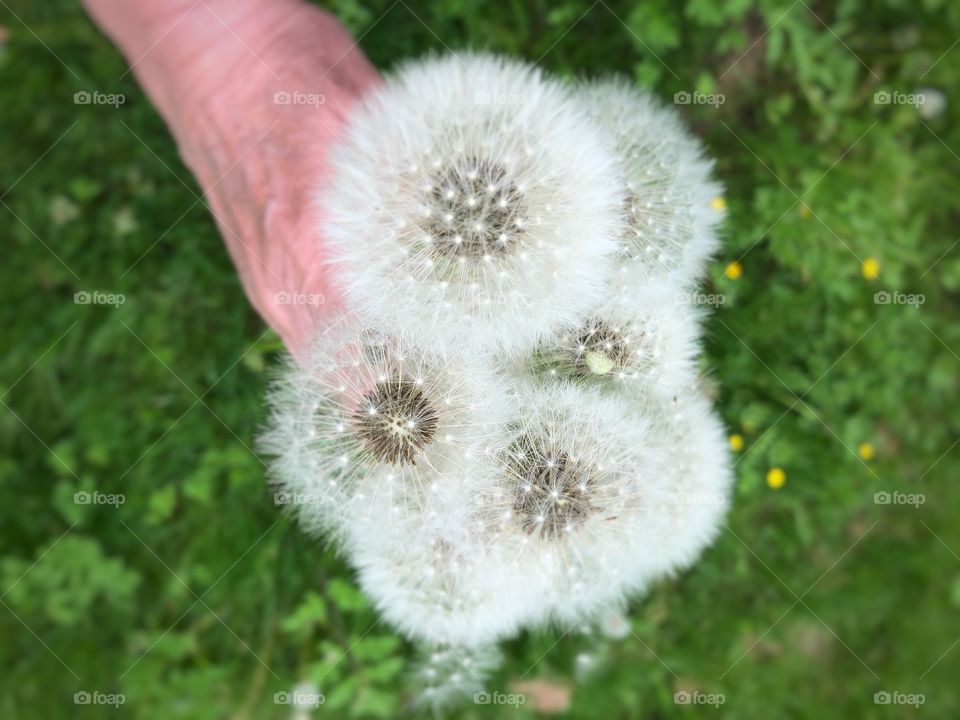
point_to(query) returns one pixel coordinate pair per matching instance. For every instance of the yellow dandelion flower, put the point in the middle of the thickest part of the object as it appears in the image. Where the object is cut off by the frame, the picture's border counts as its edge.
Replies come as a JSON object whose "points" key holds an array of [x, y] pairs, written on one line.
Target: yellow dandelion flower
{"points": [[870, 268], [776, 478], [736, 443], [718, 204], [733, 270], [865, 451]]}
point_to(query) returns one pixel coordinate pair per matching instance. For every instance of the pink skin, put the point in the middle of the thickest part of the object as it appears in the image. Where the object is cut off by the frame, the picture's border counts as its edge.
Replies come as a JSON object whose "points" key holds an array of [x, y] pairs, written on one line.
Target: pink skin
{"points": [[213, 68]]}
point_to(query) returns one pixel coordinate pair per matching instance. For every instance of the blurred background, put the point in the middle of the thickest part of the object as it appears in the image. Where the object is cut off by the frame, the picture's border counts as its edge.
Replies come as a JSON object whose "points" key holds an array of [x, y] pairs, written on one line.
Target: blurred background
{"points": [[143, 561]]}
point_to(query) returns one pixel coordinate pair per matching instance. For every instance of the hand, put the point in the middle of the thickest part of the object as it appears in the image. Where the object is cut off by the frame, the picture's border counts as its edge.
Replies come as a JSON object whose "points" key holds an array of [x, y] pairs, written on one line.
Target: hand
{"points": [[255, 92]]}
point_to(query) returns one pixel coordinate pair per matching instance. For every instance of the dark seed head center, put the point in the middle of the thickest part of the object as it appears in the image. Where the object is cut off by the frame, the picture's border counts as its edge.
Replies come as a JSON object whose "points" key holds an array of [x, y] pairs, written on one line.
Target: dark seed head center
{"points": [[476, 212], [597, 349], [552, 493], [396, 421]]}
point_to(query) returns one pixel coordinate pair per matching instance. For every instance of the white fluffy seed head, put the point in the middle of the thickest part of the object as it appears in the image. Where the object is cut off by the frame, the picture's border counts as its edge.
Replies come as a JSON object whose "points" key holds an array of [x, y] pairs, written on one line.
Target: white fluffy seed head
{"points": [[373, 416], [668, 193], [438, 584], [474, 201], [570, 477], [595, 496], [679, 510], [649, 343], [446, 675], [700, 472]]}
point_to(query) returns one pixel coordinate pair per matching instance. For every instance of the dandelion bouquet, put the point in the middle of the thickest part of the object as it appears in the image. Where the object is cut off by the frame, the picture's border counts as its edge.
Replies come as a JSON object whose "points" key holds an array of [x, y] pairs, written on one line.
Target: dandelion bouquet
{"points": [[507, 429]]}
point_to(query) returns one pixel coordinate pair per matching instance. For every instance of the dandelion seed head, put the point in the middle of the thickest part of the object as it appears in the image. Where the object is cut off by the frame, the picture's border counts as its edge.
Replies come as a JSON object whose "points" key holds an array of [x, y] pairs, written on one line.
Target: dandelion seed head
{"points": [[517, 198], [646, 340], [667, 184], [372, 414]]}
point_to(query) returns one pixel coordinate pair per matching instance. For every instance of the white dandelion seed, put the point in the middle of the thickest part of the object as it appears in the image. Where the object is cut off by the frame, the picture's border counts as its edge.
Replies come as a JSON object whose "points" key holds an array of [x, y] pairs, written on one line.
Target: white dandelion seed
{"points": [[667, 185], [584, 666], [701, 477], [648, 344], [445, 675], [596, 497], [304, 699], [574, 474], [474, 201], [614, 623], [373, 415], [677, 512], [437, 584]]}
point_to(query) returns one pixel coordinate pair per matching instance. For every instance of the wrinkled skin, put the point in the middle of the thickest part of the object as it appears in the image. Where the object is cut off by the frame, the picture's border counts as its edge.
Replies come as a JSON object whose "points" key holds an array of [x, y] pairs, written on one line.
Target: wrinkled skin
{"points": [[213, 69]]}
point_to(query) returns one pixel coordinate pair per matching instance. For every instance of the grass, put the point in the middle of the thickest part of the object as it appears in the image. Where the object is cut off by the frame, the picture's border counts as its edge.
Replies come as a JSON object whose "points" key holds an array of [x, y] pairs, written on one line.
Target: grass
{"points": [[196, 598]]}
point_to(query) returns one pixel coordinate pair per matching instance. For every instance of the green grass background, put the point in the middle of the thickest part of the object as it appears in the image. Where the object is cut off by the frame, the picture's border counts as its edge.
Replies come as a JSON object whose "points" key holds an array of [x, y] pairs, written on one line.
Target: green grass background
{"points": [[814, 597]]}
